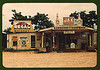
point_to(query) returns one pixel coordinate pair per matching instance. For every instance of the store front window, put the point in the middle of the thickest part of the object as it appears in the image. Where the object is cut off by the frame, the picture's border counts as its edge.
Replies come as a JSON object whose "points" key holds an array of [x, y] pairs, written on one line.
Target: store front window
{"points": [[14, 43], [14, 39]]}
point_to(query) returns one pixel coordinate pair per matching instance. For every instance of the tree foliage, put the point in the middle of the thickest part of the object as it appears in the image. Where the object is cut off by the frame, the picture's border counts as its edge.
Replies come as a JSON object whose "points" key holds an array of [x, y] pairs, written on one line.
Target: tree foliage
{"points": [[17, 16], [89, 19], [41, 21], [7, 30]]}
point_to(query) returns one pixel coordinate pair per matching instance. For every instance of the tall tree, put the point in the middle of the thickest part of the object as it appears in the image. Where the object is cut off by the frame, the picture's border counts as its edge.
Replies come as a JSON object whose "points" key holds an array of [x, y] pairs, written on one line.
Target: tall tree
{"points": [[89, 19], [17, 16], [41, 21]]}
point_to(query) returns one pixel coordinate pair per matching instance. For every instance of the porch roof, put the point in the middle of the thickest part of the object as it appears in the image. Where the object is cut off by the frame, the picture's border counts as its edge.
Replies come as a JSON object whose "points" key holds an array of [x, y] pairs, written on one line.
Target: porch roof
{"points": [[66, 28]]}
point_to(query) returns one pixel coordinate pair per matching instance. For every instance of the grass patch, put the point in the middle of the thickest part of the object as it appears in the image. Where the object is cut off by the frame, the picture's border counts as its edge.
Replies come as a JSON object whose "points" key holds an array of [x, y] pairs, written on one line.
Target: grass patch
{"points": [[13, 50]]}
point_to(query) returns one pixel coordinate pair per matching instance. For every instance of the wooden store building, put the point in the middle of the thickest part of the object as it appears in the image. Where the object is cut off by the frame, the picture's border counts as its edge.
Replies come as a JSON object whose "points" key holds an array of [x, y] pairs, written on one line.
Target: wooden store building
{"points": [[71, 36]]}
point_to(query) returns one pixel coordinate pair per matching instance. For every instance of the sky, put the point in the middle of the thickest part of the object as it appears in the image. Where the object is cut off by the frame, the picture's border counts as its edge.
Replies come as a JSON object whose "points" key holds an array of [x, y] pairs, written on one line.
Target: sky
{"points": [[63, 10]]}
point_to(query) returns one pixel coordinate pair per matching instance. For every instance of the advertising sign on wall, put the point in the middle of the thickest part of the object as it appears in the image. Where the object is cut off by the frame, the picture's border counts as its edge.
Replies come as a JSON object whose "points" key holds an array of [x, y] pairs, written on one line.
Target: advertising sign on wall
{"points": [[22, 24], [14, 38], [68, 20], [78, 22]]}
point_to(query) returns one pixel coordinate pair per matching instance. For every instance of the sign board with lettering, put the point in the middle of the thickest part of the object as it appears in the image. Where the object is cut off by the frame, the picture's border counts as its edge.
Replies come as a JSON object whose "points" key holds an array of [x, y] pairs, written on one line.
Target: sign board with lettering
{"points": [[68, 20], [22, 24], [69, 32], [14, 38]]}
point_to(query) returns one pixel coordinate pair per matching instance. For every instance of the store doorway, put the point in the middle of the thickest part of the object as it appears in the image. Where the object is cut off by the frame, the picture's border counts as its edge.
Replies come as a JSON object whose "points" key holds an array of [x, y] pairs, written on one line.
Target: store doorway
{"points": [[32, 41], [67, 41], [61, 42]]}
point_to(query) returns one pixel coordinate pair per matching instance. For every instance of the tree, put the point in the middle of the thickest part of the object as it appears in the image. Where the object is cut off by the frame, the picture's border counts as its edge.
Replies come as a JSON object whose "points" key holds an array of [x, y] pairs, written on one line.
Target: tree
{"points": [[7, 30], [41, 21], [89, 20], [17, 16]]}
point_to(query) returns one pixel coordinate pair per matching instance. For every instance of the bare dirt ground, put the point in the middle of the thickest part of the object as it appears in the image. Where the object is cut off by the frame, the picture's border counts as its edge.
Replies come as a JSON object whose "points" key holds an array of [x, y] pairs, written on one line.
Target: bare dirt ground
{"points": [[49, 60]]}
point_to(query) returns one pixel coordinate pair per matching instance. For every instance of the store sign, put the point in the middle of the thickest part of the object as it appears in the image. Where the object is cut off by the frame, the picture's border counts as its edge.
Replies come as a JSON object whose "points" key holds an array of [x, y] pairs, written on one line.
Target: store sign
{"points": [[69, 32], [68, 20], [23, 41], [22, 24], [14, 38]]}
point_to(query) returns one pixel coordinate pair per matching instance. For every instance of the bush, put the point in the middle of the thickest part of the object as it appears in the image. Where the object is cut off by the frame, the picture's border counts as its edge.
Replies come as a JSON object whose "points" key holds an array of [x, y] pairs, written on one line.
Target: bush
{"points": [[41, 52], [93, 50], [13, 50], [8, 49]]}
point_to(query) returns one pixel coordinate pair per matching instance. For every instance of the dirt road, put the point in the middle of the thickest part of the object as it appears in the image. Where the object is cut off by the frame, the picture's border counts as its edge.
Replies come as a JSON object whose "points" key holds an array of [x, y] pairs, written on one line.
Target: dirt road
{"points": [[49, 60]]}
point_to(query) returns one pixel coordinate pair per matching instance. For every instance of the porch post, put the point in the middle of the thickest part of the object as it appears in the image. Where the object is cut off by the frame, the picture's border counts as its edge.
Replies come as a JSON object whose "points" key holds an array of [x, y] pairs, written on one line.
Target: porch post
{"points": [[90, 39], [42, 39], [53, 42]]}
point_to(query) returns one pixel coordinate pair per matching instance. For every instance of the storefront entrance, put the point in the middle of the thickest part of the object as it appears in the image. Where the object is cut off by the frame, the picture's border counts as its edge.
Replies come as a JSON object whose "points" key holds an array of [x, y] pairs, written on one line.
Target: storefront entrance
{"points": [[65, 41], [32, 41], [61, 42]]}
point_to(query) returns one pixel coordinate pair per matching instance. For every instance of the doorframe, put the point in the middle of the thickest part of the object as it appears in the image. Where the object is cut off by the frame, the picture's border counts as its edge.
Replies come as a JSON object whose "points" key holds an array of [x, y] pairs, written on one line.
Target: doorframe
{"points": [[35, 41]]}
